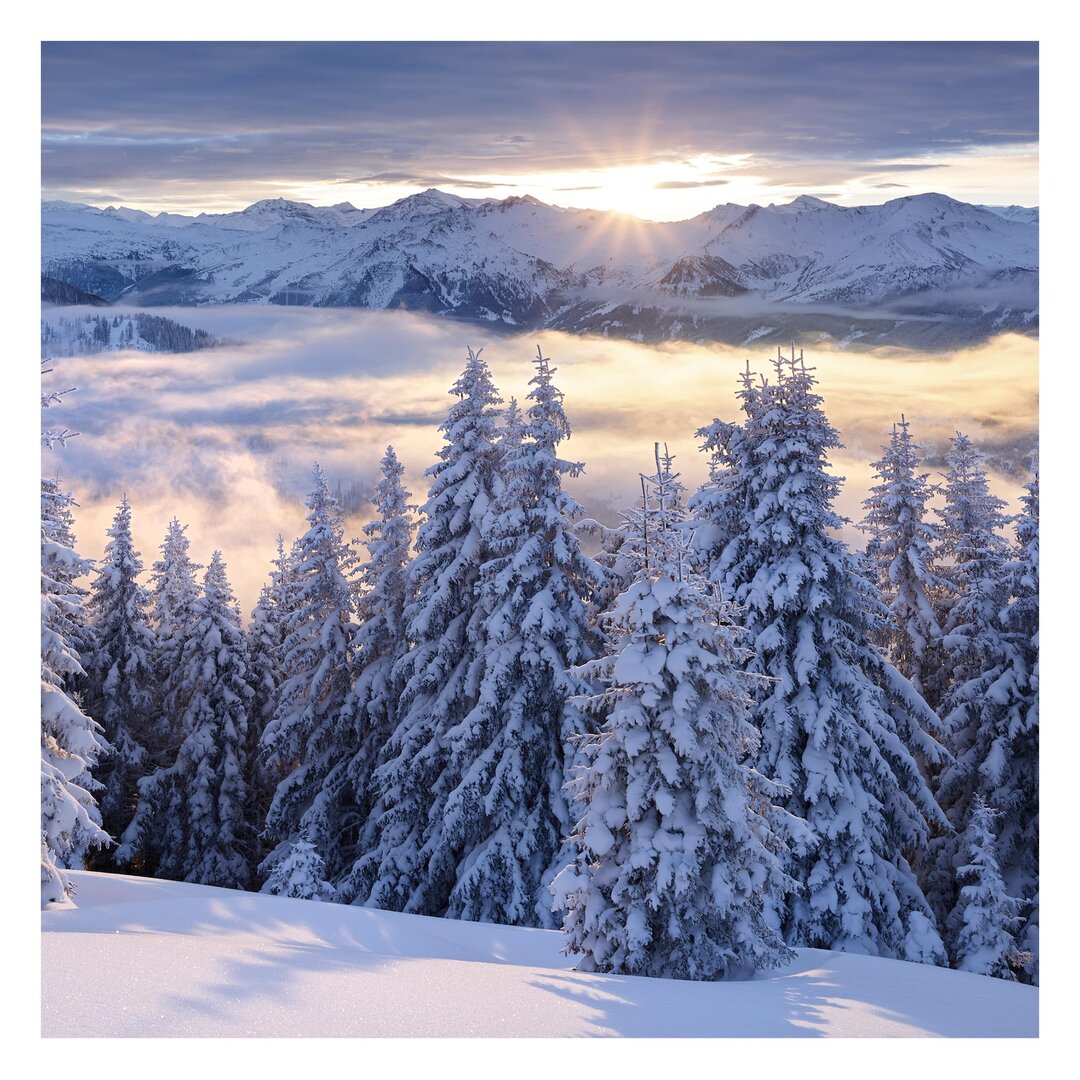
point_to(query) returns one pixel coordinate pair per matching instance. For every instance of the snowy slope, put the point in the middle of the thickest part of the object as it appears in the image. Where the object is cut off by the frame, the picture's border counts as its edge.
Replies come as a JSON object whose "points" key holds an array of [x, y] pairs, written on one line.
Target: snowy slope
{"points": [[1029, 214], [521, 262], [167, 959]]}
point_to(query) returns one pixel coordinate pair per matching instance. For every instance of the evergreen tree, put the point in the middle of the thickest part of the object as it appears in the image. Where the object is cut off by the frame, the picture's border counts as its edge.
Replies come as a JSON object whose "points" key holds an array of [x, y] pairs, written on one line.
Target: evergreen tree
{"points": [[267, 657], [1029, 943], [840, 727], [120, 676], [71, 742], [500, 832], [985, 918], [991, 731], [191, 811], [677, 869], [440, 673], [371, 709], [305, 739], [174, 596], [264, 640], [901, 549], [59, 523], [1019, 834], [300, 872]]}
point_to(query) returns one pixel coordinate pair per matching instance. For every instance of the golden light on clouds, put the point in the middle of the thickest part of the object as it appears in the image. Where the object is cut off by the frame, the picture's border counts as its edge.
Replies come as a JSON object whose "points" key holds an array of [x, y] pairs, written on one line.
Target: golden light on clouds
{"points": [[652, 190], [224, 438]]}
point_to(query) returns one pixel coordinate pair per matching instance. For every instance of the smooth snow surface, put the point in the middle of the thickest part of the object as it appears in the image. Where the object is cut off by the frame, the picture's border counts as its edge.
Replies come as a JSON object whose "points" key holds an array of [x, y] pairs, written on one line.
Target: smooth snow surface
{"points": [[168, 959]]}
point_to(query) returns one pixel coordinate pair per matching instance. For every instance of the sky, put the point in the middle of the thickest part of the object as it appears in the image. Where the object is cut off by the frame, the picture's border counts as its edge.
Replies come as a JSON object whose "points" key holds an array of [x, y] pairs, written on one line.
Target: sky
{"points": [[661, 130], [225, 438]]}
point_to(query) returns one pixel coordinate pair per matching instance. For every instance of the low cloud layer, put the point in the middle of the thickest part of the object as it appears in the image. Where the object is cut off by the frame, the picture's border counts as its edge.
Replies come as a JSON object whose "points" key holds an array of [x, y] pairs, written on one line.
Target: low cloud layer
{"points": [[225, 438]]}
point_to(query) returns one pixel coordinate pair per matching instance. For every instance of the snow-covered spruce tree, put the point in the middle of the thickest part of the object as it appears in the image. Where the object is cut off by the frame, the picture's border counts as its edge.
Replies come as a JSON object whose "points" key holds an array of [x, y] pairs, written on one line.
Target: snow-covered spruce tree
{"points": [[502, 815], [677, 867], [370, 713], [840, 726], [992, 731], [56, 508], [264, 642], [267, 658], [71, 742], [974, 554], [120, 688], [985, 920], [1029, 942], [1022, 624], [191, 811], [305, 739], [174, 592], [300, 872], [440, 673], [901, 547], [623, 547]]}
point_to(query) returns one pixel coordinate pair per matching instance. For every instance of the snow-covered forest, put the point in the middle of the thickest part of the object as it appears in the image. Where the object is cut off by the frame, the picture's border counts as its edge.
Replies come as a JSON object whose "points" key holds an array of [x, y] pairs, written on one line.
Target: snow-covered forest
{"points": [[693, 742], [84, 335]]}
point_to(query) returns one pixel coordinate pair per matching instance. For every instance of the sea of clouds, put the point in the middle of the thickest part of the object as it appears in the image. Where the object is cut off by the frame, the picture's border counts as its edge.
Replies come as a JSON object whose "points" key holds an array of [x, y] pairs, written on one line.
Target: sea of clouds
{"points": [[224, 438]]}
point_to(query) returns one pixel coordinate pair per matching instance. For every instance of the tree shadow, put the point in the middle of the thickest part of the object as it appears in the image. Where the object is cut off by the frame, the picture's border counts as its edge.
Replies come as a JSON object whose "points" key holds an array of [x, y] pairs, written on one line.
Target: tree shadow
{"points": [[819, 994]]}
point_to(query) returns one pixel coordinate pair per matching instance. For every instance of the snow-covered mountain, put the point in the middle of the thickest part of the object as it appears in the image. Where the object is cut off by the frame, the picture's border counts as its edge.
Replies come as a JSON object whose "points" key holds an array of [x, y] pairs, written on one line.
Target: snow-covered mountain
{"points": [[1028, 214], [730, 273]]}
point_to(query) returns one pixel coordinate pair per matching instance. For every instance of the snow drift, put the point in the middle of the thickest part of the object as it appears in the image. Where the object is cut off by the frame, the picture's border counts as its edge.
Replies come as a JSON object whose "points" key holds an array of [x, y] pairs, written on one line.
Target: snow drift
{"points": [[168, 959]]}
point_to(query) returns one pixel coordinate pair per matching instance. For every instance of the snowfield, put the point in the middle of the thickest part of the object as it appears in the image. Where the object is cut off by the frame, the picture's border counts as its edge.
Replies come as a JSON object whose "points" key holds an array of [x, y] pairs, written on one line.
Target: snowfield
{"points": [[169, 959]]}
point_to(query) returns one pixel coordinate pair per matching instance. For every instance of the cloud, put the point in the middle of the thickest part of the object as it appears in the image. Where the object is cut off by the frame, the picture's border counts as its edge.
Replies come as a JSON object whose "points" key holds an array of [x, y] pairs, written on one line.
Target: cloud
{"points": [[422, 180], [158, 116], [903, 166], [675, 185]]}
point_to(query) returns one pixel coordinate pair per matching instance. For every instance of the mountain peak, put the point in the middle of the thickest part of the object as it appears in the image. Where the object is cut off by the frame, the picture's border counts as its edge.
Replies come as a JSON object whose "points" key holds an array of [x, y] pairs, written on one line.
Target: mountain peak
{"points": [[803, 203], [277, 204]]}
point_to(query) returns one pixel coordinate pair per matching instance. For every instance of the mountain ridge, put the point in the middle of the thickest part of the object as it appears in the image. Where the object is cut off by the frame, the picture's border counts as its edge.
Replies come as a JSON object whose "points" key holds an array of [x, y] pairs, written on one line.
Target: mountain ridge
{"points": [[970, 270]]}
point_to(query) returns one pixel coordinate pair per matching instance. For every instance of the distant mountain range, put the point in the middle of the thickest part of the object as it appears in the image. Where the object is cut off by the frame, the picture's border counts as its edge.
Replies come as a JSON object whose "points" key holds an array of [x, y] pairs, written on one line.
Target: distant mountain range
{"points": [[925, 270]]}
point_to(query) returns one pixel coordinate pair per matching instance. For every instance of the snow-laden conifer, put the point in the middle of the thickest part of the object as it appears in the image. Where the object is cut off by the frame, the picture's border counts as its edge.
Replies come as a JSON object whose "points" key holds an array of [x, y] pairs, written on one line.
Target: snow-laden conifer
{"points": [[440, 673], [984, 922], [1029, 942], [267, 656], [985, 706], [59, 523], [840, 726], [120, 687], [975, 649], [174, 592], [503, 816], [300, 872], [191, 812], [370, 712], [901, 548], [71, 742], [1019, 835], [264, 640], [305, 740], [677, 869]]}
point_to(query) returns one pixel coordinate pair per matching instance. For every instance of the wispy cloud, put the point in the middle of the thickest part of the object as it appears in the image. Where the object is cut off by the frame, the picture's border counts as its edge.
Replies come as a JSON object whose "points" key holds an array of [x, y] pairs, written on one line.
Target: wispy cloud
{"points": [[420, 179], [677, 185]]}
